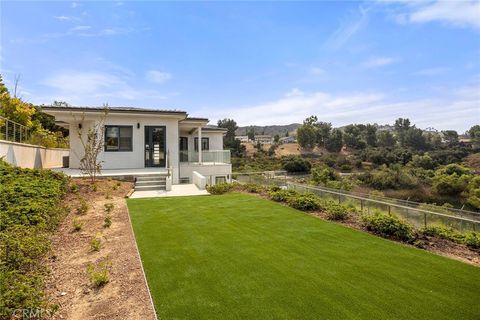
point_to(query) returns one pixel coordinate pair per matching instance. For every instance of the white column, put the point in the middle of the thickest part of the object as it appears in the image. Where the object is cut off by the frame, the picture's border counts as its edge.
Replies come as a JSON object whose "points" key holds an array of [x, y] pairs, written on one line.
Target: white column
{"points": [[199, 130]]}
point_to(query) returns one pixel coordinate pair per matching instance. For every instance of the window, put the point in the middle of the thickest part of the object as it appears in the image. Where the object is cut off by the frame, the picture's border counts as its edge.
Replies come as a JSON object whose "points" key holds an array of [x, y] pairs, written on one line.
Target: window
{"points": [[205, 144], [118, 138]]}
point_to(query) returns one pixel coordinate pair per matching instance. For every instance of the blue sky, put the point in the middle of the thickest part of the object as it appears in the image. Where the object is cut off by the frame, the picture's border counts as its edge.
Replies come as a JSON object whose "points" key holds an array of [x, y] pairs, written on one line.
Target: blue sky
{"points": [[257, 62]]}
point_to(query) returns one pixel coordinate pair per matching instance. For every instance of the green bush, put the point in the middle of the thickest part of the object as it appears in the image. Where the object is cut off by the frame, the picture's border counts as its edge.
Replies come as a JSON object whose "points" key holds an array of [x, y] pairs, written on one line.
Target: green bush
{"points": [[304, 202], [336, 211], [472, 240], [83, 208], [107, 222], [220, 188], [253, 188], [389, 226], [295, 164], [282, 195], [99, 275], [96, 244], [77, 225], [443, 232], [29, 211]]}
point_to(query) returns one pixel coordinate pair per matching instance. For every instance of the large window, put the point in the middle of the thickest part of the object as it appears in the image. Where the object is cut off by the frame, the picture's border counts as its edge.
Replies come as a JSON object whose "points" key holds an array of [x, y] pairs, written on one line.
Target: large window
{"points": [[118, 138], [205, 144]]}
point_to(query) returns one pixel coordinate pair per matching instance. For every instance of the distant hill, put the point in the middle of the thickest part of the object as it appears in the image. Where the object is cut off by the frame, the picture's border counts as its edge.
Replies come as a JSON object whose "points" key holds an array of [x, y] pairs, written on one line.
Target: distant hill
{"points": [[281, 130]]}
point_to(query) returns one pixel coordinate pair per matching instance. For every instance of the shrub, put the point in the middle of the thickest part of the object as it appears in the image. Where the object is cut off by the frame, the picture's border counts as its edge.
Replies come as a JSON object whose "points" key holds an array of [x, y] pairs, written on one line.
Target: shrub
{"points": [[253, 188], [108, 195], [108, 207], [83, 208], [304, 202], [295, 164], [99, 275], [389, 226], [443, 232], [472, 240], [107, 222], [115, 187], [220, 188], [94, 187], [96, 244], [77, 225], [282, 195], [274, 188], [74, 188], [336, 211]]}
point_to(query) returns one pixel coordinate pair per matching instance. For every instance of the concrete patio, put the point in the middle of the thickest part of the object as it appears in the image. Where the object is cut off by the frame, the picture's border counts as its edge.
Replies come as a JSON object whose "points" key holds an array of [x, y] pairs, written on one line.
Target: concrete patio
{"points": [[178, 190], [76, 173]]}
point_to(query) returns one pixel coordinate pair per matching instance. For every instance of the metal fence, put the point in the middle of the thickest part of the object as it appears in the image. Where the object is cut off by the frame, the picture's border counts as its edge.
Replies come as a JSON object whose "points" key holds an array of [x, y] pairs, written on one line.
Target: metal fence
{"points": [[469, 221], [13, 131], [418, 214]]}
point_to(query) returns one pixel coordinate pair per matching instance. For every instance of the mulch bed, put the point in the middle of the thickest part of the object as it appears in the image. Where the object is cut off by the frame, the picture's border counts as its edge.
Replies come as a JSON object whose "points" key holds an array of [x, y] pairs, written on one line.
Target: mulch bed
{"points": [[125, 296]]}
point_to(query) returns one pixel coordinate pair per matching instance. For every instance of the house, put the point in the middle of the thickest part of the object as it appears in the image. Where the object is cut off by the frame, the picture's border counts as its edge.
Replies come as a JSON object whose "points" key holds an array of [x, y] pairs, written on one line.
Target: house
{"points": [[289, 139], [263, 139], [243, 139], [149, 141]]}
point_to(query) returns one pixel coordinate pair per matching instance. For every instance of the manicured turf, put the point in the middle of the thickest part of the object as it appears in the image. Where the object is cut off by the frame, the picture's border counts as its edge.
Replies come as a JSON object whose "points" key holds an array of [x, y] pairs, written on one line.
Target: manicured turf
{"points": [[236, 256]]}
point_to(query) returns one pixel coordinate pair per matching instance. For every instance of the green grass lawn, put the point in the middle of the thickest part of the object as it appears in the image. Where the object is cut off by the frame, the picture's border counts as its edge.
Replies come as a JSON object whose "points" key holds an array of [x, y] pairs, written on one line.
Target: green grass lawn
{"points": [[236, 256]]}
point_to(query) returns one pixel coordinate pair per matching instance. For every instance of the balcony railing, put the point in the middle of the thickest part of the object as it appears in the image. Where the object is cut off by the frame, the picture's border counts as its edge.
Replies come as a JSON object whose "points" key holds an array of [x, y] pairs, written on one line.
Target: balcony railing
{"points": [[13, 131], [208, 156]]}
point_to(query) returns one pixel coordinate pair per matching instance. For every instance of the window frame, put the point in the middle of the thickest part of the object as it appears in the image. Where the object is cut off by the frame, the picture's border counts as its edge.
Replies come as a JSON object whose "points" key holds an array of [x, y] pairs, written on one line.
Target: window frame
{"points": [[195, 143], [118, 137]]}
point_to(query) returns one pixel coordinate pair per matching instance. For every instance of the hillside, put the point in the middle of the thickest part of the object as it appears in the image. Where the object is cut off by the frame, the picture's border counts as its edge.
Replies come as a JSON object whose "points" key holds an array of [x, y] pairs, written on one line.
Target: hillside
{"points": [[281, 130]]}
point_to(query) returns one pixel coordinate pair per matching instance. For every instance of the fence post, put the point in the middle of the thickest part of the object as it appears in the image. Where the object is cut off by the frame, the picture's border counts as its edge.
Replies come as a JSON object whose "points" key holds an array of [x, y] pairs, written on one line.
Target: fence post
{"points": [[389, 209], [425, 219]]}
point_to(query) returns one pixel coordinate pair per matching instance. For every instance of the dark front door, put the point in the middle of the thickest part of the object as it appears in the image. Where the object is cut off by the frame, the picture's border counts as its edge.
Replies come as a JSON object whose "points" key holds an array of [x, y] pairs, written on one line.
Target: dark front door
{"points": [[155, 149]]}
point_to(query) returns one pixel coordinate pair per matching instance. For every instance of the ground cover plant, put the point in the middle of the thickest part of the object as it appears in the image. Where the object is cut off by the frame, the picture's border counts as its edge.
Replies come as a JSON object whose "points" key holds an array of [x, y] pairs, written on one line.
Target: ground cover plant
{"points": [[29, 211], [239, 256]]}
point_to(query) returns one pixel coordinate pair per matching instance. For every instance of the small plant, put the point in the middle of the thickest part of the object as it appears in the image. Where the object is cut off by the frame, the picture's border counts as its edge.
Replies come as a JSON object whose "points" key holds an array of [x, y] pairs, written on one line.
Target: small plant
{"points": [[83, 208], [77, 225], [108, 195], [389, 226], [253, 188], [443, 232], [304, 202], [74, 188], [99, 275], [282, 195], [336, 211], [107, 222], [118, 184], [108, 207], [220, 188], [96, 243], [94, 187], [115, 187], [472, 240]]}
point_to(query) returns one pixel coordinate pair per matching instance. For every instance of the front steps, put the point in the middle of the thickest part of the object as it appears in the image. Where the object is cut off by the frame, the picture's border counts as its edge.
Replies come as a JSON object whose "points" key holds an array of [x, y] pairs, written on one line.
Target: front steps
{"points": [[151, 182]]}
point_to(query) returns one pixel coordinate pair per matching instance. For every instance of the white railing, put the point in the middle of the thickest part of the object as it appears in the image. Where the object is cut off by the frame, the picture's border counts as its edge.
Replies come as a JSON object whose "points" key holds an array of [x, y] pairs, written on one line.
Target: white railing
{"points": [[208, 156], [13, 131]]}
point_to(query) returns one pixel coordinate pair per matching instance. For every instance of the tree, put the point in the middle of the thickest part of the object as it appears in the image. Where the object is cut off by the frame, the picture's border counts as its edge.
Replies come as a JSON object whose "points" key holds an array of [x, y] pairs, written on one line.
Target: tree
{"points": [[14, 108], [251, 134], [231, 127], [450, 137], [414, 138], [474, 134], [401, 126], [385, 139], [334, 143], [452, 180], [92, 142], [323, 132], [371, 135], [352, 136], [276, 138], [296, 164], [306, 137]]}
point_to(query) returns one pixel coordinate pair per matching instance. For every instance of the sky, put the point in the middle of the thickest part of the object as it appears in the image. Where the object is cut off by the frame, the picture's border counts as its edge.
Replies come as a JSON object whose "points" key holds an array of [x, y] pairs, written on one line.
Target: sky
{"points": [[259, 63]]}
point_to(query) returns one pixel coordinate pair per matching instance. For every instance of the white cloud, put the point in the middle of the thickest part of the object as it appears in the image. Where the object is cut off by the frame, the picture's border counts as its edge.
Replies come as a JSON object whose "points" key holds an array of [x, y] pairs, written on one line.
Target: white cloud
{"points": [[81, 28], [459, 110], [64, 18], [316, 71], [431, 71], [465, 13], [379, 62], [158, 76]]}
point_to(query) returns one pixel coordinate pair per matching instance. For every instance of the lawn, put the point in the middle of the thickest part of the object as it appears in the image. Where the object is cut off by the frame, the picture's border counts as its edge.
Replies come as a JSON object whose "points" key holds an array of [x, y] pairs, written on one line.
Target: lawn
{"points": [[237, 256]]}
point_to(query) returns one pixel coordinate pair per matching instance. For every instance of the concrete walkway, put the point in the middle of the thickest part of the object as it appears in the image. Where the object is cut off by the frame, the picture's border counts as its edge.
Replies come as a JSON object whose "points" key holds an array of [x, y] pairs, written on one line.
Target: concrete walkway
{"points": [[178, 190]]}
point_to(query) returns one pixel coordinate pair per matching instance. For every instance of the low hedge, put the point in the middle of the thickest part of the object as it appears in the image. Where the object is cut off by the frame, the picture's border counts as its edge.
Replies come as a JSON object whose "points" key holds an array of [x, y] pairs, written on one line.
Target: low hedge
{"points": [[389, 226], [304, 202], [29, 212]]}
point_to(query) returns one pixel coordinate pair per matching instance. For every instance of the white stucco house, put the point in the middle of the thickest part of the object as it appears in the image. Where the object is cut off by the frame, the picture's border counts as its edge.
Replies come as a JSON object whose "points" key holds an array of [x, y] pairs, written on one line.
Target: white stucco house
{"points": [[141, 141]]}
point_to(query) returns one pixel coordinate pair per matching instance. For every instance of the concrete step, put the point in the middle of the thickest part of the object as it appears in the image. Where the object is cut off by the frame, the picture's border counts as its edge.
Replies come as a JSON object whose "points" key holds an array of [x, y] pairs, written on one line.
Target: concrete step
{"points": [[150, 183], [150, 188], [151, 177]]}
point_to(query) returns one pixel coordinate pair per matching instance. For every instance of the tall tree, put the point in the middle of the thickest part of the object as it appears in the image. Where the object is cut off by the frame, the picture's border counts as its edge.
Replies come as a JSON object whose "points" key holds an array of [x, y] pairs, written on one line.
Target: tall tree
{"points": [[334, 143], [450, 137], [385, 139], [415, 139], [352, 136], [401, 127], [323, 132], [371, 135], [229, 141], [474, 133], [306, 136]]}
